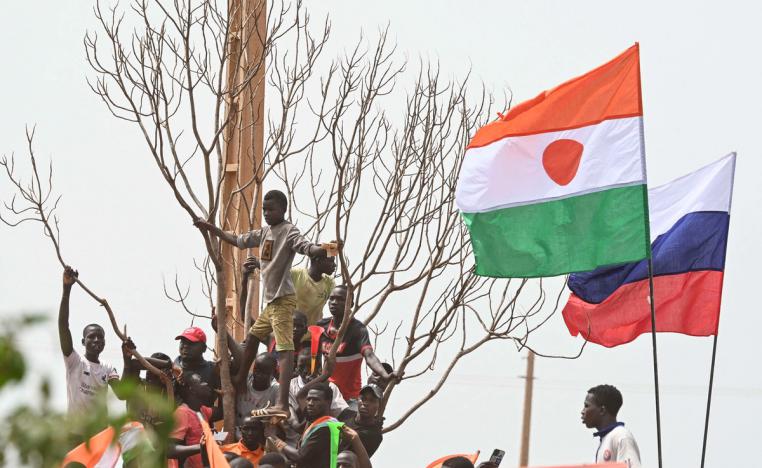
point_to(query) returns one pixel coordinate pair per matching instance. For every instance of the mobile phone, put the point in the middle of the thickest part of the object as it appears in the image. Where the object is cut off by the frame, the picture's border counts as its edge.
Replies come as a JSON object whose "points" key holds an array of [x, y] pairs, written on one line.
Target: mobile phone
{"points": [[497, 457]]}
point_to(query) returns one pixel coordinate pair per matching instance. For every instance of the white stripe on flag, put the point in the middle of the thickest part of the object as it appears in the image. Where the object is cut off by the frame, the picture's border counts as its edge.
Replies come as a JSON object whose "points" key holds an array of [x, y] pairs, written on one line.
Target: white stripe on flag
{"points": [[707, 189], [509, 172]]}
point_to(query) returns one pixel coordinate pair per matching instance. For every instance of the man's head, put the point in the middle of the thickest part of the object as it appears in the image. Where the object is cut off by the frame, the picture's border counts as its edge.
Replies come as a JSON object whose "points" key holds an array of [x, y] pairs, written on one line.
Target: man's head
{"points": [[601, 406], [263, 371], [300, 325], [347, 459], [370, 399], [303, 363], [337, 301], [252, 433], [274, 205], [192, 344], [93, 339], [193, 391], [272, 460], [375, 379], [152, 380], [318, 401], [323, 264], [457, 462]]}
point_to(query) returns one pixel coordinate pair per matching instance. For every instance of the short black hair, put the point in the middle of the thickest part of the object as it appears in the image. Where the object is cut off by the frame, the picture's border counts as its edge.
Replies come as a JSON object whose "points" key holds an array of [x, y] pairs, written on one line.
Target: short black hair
{"points": [[161, 356], [279, 197], [272, 458], [607, 396], [93, 325], [300, 314], [325, 390], [458, 462], [269, 358]]}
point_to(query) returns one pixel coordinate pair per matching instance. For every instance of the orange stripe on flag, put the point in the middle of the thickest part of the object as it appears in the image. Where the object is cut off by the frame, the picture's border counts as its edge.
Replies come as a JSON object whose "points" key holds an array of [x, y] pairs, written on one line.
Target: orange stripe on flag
{"points": [[213, 450], [608, 92], [90, 453]]}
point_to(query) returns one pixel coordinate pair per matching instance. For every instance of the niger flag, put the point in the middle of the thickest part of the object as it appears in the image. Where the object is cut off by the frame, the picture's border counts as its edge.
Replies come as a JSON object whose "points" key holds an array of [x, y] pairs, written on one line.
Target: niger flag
{"points": [[557, 185]]}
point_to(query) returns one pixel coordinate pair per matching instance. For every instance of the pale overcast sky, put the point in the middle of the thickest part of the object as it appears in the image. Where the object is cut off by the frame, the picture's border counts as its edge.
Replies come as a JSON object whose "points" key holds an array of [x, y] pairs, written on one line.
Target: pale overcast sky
{"points": [[122, 230]]}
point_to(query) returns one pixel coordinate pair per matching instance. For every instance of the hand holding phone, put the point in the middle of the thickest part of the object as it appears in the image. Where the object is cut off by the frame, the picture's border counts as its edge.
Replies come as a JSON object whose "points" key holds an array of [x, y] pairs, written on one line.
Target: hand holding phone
{"points": [[497, 457]]}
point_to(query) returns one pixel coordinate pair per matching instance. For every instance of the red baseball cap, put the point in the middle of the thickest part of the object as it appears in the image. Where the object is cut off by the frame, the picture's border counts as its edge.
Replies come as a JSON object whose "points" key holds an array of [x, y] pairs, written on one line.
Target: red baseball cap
{"points": [[193, 334]]}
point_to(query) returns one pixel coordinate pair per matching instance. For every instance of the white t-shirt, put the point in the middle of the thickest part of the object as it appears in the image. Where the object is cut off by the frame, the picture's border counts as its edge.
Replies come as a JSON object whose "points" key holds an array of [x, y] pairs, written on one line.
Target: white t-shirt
{"points": [[619, 446], [338, 404], [255, 399], [85, 380]]}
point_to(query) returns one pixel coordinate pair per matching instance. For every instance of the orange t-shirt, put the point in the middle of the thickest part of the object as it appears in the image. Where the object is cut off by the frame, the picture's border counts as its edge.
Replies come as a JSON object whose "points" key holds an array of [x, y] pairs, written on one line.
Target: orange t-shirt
{"points": [[241, 450]]}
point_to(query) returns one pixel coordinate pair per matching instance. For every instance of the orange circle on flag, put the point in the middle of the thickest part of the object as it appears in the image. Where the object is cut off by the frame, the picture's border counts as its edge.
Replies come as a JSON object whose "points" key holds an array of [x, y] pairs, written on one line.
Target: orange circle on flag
{"points": [[561, 160]]}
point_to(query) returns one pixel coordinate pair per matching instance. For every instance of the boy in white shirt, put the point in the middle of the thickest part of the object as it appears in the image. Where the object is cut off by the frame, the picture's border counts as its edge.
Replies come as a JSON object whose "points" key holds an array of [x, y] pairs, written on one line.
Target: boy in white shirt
{"points": [[86, 376], [617, 443]]}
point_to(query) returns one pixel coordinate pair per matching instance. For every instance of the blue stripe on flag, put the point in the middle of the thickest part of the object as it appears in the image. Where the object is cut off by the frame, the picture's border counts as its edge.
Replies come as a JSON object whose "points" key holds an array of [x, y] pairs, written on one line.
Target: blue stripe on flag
{"points": [[696, 242]]}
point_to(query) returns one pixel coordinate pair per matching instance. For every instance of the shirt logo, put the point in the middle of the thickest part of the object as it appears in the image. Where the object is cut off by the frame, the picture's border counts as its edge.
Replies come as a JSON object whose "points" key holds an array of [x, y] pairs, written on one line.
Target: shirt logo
{"points": [[327, 348], [606, 455], [267, 250]]}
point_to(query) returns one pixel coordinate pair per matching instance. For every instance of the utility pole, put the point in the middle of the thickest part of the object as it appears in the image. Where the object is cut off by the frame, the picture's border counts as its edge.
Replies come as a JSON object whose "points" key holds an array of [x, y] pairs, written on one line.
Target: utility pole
{"points": [[241, 200], [526, 423]]}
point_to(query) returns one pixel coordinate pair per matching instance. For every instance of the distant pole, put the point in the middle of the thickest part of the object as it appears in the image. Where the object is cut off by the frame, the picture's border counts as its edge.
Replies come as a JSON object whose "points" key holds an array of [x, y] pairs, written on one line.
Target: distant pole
{"points": [[656, 365], [525, 426]]}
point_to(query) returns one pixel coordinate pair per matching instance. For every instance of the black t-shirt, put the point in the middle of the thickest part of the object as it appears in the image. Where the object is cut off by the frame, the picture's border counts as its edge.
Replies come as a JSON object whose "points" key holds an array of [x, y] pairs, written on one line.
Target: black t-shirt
{"points": [[208, 373], [315, 452], [370, 435]]}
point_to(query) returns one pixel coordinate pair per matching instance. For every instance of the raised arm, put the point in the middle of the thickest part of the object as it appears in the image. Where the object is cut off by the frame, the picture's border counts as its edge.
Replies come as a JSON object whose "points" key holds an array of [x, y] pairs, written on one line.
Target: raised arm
{"points": [[226, 236], [236, 350], [249, 266], [301, 245], [357, 447], [375, 364], [131, 369], [64, 334]]}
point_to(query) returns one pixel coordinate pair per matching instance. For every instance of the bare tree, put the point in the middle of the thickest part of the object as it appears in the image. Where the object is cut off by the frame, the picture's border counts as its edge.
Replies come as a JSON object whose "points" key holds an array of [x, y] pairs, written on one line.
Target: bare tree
{"points": [[33, 201], [162, 66], [390, 193], [361, 163]]}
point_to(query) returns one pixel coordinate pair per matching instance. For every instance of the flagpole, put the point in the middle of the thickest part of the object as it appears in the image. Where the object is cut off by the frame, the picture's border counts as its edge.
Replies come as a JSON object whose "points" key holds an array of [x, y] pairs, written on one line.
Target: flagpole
{"points": [[709, 401], [650, 263], [656, 365], [717, 331]]}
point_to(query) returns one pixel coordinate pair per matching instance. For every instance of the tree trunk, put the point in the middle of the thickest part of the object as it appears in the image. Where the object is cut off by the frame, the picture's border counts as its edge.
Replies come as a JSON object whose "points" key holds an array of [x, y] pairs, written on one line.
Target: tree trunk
{"points": [[228, 391]]}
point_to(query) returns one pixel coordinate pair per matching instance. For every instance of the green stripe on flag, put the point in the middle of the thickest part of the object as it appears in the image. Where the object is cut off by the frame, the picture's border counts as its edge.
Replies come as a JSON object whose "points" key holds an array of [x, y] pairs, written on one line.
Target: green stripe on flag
{"points": [[561, 236]]}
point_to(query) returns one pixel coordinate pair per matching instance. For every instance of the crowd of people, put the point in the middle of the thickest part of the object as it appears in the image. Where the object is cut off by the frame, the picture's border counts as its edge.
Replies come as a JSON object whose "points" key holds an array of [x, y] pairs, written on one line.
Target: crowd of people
{"points": [[294, 408]]}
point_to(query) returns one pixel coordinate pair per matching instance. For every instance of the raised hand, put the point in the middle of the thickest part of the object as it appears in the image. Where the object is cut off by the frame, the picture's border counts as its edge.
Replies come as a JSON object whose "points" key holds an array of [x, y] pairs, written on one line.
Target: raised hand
{"points": [[203, 224], [251, 264], [70, 276], [127, 346]]}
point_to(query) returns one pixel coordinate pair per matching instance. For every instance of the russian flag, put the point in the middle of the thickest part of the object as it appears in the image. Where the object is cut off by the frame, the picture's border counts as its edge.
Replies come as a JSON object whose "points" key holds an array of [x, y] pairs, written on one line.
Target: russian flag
{"points": [[689, 220]]}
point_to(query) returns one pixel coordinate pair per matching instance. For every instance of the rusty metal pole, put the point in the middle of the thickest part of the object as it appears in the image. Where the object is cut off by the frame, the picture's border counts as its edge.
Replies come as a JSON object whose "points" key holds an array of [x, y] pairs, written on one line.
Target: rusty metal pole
{"points": [[241, 200], [526, 423]]}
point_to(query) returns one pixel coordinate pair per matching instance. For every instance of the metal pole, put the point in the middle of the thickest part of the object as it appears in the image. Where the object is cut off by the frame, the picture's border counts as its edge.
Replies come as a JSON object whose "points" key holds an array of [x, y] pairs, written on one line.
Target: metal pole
{"points": [[708, 401], [656, 366], [525, 426], [717, 331]]}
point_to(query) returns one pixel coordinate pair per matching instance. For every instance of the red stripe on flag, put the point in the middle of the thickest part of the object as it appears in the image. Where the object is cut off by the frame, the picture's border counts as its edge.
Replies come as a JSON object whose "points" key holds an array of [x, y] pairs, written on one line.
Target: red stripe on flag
{"points": [[687, 303]]}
